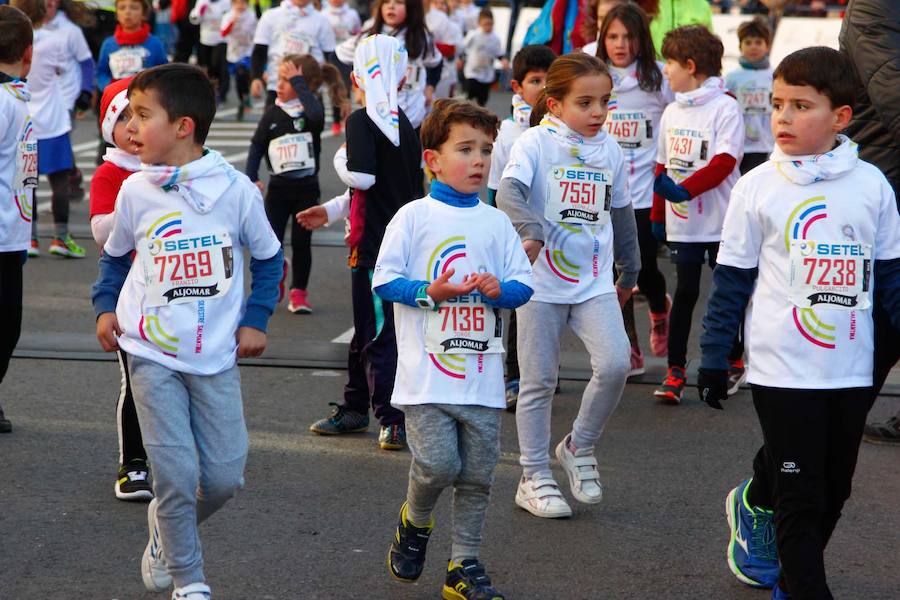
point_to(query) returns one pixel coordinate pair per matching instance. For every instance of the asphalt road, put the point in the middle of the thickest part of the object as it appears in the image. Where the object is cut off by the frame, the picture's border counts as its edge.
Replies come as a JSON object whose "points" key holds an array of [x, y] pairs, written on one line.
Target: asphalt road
{"points": [[317, 514]]}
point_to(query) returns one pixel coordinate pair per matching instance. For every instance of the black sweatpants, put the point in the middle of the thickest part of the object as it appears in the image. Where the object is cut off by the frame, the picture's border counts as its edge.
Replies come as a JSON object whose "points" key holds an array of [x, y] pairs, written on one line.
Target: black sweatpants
{"points": [[212, 59], [131, 444], [512, 352], [10, 306], [478, 91], [188, 39], [283, 201], [242, 81], [60, 192], [887, 345], [650, 279], [804, 471], [372, 361]]}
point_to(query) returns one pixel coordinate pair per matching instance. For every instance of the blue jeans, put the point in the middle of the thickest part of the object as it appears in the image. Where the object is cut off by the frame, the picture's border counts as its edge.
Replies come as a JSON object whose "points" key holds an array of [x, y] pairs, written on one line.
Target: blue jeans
{"points": [[196, 441]]}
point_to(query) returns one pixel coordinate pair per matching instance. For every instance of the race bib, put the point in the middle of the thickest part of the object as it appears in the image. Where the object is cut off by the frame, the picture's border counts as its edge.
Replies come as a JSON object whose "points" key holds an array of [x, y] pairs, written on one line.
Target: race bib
{"points": [[632, 129], [186, 268], [830, 275], [296, 42], [26, 165], [687, 148], [578, 195], [755, 101], [126, 61], [292, 152], [463, 325], [412, 78]]}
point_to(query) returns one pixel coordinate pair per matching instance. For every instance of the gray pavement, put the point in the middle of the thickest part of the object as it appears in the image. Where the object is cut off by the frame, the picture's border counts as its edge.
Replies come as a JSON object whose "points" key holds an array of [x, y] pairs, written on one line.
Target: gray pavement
{"points": [[317, 514]]}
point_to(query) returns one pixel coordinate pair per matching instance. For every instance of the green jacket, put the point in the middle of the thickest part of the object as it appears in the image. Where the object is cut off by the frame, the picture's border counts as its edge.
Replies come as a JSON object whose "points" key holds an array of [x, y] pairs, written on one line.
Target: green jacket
{"points": [[675, 13]]}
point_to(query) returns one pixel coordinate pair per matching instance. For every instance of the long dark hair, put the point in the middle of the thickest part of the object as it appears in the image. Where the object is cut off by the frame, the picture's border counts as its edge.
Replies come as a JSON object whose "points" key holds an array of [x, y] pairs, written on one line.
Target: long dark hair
{"points": [[638, 26], [416, 42]]}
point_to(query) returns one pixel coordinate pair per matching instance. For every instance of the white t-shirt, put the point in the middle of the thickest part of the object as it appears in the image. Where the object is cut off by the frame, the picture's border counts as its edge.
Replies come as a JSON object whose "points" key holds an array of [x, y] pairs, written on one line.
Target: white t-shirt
{"points": [[633, 119], [481, 51], [510, 131], [690, 137], [285, 31], [211, 20], [576, 261], [194, 336], [467, 16], [344, 21], [423, 239], [590, 48], [240, 38], [753, 88], [47, 106], [822, 346], [78, 50], [18, 170]]}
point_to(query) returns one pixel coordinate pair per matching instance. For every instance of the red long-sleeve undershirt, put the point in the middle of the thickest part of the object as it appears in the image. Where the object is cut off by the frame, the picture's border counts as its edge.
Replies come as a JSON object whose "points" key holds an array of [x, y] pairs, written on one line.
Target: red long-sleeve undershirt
{"points": [[703, 180]]}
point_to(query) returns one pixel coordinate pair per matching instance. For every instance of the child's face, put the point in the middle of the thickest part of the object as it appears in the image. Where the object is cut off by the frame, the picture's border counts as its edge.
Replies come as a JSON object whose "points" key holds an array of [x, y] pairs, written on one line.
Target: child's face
{"points": [[239, 6], [52, 7], [130, 14], [463, 161], [531, 86], [394, 13], [155, 137], [803, 120], [121, 137], [681, 76], [283, 88], [336, 3], [754, 49], [584, 108], [604, 7], [486, 25], [301, 3], [619, 46]]}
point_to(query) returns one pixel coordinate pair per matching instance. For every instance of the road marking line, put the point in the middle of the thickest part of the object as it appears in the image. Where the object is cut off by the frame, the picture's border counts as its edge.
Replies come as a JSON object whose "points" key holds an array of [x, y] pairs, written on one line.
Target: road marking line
{"points": [[344, 338]]}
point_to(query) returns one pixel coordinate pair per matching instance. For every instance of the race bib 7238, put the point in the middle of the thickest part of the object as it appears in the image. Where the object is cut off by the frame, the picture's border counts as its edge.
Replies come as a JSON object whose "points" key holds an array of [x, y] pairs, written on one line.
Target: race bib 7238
{"points": [[463, 325], [186, 268], [578, 195], [830, 275]]}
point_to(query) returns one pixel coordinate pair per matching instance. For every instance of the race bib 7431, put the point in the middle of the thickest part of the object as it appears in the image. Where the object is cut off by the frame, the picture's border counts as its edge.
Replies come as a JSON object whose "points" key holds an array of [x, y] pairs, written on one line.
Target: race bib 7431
{"points": [[687, 148]]}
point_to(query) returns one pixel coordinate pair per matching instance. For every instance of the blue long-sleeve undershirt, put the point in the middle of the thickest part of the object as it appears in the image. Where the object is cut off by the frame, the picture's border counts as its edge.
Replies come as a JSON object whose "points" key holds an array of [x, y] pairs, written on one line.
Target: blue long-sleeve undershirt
{"points": [[87, 74], [887, 288], [731, 291]]}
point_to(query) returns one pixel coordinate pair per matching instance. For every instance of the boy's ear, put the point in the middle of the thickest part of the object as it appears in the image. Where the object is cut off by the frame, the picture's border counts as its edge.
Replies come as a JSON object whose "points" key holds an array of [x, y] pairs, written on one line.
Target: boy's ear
{"points": [[842, 116], [432, 160], [690, 66], [27, 57], [516, 86], [186, 127]]}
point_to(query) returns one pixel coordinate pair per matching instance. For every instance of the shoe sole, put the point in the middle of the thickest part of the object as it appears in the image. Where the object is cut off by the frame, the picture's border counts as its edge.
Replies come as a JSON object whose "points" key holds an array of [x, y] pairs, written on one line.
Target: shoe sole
{"points": [[524, 505], [878, 441], [732, 541], [139, 496], [637, 371], [733, 389], [299, 310], [669, 397], [393, 447], [576, 493], [146, 572], [324, 432], [65, 254], [394, 576]]}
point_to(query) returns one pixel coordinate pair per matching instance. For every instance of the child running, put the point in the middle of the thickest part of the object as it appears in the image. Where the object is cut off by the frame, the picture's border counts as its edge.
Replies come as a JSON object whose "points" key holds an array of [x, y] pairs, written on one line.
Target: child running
{"points": [[639, 97], [807, 237], [213, 48], [119, 163], [18, 178], [132, 48], [751, 83], [482, 47], [529, 72], [238, 29], [700, 145], [448, 262], [180, 314], [346, 24], [289, 137], [566, 191]]}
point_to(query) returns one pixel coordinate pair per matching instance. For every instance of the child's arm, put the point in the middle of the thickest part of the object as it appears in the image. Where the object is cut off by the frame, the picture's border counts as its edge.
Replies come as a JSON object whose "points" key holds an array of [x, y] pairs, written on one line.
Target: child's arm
{"points": [[512, 197], [625, 245], [356, 164], [887, 288], [259, 143], [702, 180], [104, 75], [313, 110], [887, 256], [114, 264], [158, 54]]}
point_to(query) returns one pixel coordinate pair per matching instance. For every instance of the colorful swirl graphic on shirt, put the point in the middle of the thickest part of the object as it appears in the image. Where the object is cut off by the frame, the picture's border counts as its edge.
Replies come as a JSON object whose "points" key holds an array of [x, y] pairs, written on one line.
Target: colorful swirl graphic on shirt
{"points": [[808, 323], [565, 267], [24, 200], [445, 254], [151, 328]]}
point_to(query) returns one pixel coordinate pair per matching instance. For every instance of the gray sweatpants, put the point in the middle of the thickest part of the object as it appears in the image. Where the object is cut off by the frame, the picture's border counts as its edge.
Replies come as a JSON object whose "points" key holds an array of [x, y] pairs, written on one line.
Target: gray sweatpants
{"points": [[598, 323], [196, 440], [459, 446]]}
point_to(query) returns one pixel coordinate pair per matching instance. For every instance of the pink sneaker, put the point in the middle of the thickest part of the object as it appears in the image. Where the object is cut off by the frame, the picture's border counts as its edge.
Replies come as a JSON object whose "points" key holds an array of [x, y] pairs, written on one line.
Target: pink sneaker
{"points": [[298, 303], [284, 274], [637, 362], [659, 330]]}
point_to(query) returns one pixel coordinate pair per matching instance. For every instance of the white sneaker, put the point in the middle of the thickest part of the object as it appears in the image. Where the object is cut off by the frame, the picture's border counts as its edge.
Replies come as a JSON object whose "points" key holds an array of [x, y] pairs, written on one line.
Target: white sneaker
{"points": [[540, 496], [581, 468], [194, 591], [153, 565]]}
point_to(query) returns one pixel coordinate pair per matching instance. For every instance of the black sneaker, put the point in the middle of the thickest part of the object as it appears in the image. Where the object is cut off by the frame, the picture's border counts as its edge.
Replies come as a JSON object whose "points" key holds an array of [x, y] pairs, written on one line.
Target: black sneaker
{"points": [[5, 425], [468, 581], [341, 420], [392, 437], [874, 433], [406, 557], [134, 482], [512, 395]]}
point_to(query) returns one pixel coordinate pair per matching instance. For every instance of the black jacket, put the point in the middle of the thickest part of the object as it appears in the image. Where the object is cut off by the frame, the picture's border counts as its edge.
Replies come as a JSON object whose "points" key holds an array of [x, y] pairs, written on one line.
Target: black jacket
{"points": [[870, 35]]}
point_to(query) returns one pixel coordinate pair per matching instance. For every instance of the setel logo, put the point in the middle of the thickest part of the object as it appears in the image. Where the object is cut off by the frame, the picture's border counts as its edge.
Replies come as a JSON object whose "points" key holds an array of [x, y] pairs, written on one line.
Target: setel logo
{"points": [[789, 467]]}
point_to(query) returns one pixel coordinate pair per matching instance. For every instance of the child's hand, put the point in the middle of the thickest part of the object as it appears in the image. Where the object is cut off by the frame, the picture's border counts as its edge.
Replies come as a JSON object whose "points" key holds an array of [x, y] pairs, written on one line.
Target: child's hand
{"points": [[312, 218], [291, 70], [624, 295], [666, 187], [504, 63], [429, 95], [487, 285], [257, 88], [108, 330], [532, 249], [260, 186], [251, 342], [440, 289]]}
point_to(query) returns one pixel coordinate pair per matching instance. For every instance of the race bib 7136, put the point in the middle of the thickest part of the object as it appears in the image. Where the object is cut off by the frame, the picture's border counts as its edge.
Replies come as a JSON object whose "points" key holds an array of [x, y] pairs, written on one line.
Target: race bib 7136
{"points": [[463, 325]]}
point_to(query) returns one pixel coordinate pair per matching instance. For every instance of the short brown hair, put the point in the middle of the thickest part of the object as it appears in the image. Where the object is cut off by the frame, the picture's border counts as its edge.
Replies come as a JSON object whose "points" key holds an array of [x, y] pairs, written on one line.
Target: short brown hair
{"points": [[145, 4], [485, 13], [757, 28], [447, 111], [839, 82], [35, 10], [183, 91], [16, 34], [696, 43]]}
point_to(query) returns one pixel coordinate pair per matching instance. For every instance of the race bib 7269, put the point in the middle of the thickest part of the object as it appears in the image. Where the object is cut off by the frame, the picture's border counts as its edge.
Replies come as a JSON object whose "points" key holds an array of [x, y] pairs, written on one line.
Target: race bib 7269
{"points": [[186, 268]]}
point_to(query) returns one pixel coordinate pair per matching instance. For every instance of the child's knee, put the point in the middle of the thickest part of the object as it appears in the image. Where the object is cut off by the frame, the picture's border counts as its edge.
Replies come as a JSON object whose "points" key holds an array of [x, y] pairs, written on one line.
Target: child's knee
{"points": [[220, 482], [439, 473]]}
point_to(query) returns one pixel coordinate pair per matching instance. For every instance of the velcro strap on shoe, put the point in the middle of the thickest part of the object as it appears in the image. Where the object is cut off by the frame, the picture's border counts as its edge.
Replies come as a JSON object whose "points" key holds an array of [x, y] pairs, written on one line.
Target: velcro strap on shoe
{"points": [[546, 488]]}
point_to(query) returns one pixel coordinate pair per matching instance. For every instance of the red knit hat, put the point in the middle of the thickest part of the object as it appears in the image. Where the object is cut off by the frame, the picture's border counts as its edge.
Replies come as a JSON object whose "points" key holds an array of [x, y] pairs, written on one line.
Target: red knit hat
{"points": [[112, 103]]}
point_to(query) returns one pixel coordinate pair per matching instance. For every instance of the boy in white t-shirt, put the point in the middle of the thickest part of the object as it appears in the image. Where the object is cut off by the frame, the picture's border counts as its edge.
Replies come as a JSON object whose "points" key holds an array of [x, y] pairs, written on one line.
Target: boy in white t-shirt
{"points": [[751, 84], [213, 48], [178, 310], [482, 47], [808, 237], [700, 144], [448, 262], [18, 177]]}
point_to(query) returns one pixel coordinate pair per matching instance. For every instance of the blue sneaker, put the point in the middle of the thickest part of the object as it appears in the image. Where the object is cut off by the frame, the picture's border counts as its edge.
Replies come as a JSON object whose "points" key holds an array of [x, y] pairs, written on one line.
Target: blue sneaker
{"points": [[779, 594], [752, 555]]}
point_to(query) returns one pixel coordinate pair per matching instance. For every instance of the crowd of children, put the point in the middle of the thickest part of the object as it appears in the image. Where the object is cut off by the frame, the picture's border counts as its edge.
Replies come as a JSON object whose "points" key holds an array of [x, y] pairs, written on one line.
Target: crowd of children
{"points": [[605, 155]]}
